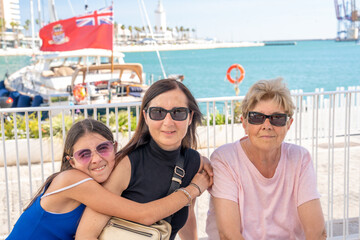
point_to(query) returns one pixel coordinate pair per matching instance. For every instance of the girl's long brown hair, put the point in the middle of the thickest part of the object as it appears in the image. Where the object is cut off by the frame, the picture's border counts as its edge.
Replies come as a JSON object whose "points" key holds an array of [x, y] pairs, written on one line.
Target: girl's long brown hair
{"points": [[78, 130], [142, 134]]}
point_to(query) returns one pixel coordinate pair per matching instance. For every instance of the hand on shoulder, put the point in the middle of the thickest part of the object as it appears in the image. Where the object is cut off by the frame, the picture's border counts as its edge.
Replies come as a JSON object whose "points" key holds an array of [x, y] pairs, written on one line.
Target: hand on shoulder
{"points": [[205, 166]]}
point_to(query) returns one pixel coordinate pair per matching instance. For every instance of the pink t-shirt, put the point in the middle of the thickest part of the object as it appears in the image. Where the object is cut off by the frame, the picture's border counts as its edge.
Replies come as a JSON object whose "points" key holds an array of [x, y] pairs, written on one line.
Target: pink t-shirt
{"points": [[268, 206]]}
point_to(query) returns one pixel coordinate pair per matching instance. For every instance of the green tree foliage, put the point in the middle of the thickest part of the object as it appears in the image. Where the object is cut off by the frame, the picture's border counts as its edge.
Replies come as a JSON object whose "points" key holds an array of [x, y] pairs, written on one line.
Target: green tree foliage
{"points": [[2, 24], [27, 25], [220, 118], [57, 125], [122, 121]]}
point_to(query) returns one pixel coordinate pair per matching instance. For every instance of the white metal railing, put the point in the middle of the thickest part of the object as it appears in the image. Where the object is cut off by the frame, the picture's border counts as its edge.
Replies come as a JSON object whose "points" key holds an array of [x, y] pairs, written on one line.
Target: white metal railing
{"points": [[326, 123]]}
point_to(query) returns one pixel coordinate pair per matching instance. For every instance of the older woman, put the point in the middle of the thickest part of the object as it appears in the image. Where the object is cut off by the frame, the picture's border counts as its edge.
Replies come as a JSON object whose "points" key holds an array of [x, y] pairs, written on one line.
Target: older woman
{"points": [[263, 187], [166, 132]]}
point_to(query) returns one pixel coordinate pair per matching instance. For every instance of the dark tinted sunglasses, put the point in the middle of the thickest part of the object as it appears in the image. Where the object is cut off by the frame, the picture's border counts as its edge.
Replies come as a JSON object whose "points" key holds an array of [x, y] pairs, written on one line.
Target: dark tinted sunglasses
{"points": [[276, 119], [159, 113], [103, 149]]}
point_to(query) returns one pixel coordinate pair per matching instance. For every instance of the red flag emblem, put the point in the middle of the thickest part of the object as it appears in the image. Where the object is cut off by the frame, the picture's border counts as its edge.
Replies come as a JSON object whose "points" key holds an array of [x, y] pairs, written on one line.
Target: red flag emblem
{"points": [[93, 30]]}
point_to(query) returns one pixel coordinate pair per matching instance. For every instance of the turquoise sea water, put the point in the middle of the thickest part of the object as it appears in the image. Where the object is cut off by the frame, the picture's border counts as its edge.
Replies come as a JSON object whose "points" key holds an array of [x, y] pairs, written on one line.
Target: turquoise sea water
{"points": [[306, 65]]}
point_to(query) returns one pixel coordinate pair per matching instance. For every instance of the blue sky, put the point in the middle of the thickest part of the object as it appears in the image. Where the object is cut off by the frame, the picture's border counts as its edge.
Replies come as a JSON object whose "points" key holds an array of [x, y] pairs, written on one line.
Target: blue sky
{"points": [[227, 20]]}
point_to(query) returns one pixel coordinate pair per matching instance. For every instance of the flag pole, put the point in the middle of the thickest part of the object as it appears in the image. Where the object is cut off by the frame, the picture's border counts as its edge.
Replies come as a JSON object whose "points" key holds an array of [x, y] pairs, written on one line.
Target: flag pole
{"points": [[112, 38]]}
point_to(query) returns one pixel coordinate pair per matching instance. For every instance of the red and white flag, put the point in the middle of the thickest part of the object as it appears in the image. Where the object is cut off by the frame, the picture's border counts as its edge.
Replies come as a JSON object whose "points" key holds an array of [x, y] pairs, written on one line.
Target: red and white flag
{"points": [[92, 30]]}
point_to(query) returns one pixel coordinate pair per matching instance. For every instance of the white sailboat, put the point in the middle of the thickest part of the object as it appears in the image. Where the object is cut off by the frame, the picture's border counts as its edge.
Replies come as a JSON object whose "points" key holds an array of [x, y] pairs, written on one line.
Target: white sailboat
{"points": [[83, 76]]}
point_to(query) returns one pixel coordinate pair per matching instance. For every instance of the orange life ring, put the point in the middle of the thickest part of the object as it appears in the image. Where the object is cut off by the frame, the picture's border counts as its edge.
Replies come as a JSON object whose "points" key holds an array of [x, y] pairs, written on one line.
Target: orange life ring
{"points": [[240, 78], [79, 92]]}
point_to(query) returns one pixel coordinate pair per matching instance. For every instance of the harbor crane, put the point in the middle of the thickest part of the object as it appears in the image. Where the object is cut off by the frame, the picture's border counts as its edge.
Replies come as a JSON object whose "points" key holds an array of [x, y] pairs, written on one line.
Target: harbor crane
{"points": [[348, 18]]}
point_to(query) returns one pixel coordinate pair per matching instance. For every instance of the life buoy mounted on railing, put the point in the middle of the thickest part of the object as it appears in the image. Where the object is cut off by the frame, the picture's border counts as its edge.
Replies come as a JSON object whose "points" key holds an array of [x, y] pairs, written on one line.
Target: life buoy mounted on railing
{"points": [[238, 79], [79, 92]]}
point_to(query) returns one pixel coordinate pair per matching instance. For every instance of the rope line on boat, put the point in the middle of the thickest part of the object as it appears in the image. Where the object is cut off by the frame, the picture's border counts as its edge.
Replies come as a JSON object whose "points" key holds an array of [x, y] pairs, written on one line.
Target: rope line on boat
{"points": [[71, 7], [141, 14], [152, 35]]}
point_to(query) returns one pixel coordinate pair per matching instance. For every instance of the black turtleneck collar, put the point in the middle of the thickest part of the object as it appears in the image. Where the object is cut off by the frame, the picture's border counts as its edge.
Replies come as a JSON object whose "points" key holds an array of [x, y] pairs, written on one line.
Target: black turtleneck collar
{"points": [[162, 155]]}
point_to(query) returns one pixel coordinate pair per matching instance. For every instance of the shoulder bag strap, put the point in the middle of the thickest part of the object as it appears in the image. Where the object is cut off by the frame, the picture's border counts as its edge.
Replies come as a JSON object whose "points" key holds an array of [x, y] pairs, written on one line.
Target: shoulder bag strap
{"points": [[176, 180], [178, 174]]}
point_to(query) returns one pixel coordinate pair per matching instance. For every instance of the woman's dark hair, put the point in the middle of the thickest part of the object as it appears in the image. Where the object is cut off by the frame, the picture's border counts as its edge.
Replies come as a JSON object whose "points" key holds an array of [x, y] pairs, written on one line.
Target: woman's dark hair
{"points": [[142, 134], [78, 130]]}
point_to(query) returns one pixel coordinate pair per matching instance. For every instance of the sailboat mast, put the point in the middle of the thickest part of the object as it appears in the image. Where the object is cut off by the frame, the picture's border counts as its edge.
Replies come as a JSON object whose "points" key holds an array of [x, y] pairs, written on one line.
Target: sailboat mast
{"points": [[53, 16], [32, 25], [39, 13]]}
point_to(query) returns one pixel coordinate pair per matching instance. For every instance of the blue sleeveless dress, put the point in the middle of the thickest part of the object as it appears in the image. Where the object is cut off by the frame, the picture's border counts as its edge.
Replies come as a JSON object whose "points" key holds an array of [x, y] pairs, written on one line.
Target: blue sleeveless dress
{"points": [[37, 224]]}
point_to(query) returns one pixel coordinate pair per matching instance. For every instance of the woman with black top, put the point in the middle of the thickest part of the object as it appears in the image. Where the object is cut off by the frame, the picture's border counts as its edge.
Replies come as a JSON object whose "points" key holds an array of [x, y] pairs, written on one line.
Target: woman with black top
{"points": [[166, 131]]}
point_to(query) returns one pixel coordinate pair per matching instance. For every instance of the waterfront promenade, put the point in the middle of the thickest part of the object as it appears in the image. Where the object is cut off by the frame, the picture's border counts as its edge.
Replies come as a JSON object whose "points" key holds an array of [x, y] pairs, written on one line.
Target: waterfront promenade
{"points": [[145, 48]]}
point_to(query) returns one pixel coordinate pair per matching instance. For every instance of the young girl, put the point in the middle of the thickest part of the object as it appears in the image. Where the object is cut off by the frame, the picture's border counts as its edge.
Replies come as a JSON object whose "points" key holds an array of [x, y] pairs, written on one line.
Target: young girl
{"points": [[88, 159]]}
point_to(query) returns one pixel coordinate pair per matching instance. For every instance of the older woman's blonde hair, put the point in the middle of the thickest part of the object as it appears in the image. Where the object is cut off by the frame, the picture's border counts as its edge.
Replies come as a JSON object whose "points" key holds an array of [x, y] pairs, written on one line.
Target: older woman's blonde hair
{"points": [[274, 89]]}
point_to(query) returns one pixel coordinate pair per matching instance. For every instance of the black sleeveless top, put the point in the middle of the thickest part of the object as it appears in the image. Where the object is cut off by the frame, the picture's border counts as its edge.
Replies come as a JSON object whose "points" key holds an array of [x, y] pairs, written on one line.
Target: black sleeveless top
{"points": [[151, 173]]}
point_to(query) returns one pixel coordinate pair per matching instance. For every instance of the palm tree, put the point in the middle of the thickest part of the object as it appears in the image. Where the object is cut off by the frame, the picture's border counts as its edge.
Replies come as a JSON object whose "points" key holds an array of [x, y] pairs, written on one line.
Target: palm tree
{"points": [[177, 32], [138, 30], [27, 25], [182, 29], [123, 32], [13, 26], [194, 33], [116, 31], [144, 30], [130, 29], [188, 30], [2, 29]]}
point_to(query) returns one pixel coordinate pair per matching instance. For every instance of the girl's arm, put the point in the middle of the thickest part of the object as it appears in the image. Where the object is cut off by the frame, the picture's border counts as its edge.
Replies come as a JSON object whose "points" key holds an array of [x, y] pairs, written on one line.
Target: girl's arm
{"points": [[103, 201]]}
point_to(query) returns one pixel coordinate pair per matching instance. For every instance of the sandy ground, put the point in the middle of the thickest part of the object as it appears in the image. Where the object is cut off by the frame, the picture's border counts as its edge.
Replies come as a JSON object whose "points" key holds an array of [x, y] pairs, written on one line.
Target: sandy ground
{"points": [[324, 166]]}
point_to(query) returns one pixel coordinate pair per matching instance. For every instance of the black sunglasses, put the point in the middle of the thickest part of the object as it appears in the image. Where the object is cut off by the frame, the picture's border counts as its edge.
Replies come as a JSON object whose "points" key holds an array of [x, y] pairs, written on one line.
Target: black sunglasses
{"points": [[159, 113], [276, 119]]}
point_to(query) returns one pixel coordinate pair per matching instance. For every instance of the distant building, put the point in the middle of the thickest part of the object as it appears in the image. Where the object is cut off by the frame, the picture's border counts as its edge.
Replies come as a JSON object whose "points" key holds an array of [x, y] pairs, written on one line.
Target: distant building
{"points": [[161, 34], [160, 18], [10, 12], [10, 15]]}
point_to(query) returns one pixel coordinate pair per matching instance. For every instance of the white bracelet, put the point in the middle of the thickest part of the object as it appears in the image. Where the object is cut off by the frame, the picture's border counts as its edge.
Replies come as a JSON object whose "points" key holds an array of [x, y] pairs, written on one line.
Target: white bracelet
{"points": [[187, 194]]}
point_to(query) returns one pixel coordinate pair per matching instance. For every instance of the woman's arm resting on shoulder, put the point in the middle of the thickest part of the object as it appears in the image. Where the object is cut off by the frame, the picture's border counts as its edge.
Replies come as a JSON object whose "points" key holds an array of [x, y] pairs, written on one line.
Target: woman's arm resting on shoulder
{"points": [[228, 219], [92, 222], [312, 220], [189, 230]]}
